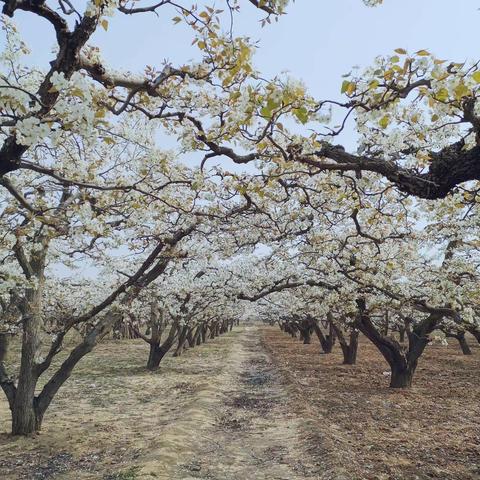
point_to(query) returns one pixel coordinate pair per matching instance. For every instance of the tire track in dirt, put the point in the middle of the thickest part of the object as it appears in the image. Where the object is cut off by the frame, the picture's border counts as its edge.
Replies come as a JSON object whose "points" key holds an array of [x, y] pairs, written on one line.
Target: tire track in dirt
{"points": [[252, 432], [219, 412]]}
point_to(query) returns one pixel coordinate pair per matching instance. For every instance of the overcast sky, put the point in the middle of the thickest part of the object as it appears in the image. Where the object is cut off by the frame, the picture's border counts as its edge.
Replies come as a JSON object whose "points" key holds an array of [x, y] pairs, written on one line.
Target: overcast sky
{"points": [[316, 41]]}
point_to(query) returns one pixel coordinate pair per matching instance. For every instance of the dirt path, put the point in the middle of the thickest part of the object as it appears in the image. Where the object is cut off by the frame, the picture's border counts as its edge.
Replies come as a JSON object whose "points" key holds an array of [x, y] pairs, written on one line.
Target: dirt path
{"points": [[252, 433], [219, 412]]}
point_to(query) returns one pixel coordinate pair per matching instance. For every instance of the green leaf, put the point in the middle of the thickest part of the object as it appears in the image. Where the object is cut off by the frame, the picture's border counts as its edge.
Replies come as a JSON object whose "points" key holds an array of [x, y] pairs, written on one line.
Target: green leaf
{"points": [[345, 85], [266, 112], [442, 95], [461, 90], [476, 76], [384, 121], [301, 114]]}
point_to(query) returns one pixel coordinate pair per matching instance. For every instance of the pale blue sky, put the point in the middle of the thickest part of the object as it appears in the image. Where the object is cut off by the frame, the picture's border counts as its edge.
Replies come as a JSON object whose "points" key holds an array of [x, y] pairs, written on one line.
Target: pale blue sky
{"points": [[317, 41]]}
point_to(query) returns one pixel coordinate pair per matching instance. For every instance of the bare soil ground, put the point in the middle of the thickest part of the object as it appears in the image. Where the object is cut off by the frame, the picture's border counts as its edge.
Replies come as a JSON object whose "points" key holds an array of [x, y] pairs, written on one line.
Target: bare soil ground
{"points": [[219, 412], [361, 429], [254, 404]]}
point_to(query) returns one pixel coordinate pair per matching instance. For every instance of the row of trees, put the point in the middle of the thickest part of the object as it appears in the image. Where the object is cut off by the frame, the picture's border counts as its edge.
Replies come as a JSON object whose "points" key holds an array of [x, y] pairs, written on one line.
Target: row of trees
{"points": [[390, 272], [102, 229]]}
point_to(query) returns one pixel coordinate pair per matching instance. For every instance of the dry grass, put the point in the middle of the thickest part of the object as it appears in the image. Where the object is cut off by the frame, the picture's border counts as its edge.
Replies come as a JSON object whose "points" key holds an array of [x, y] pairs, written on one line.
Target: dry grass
{"points": [[113, 419], [226, 411], [364, 430]]}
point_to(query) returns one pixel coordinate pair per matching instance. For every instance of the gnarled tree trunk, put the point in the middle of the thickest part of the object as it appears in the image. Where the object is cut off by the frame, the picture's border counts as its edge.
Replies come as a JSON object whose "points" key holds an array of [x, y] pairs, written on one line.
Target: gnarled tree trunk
{"points": [[350, 347], [155, 356], [326, 340], [402, 362]]}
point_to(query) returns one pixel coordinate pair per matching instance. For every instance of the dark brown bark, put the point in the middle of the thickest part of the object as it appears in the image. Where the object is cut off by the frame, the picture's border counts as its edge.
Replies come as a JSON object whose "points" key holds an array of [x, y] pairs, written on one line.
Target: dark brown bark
{"points": [[401, 331], [327, 341], [197, 338], [155, 356], [460, 337], [448, 168], [6, 381], [350, 347], [190, 340], [401, 376], [386, 325], [204, 333], [475, 332], [463, 344], [402, 362], [182, 339], [305, 329]]}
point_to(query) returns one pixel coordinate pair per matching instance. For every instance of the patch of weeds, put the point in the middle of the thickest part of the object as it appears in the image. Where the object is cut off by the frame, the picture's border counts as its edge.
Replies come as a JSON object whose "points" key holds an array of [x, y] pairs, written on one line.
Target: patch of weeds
{"points": [[129, 474], [193, 466], [229, 422], [257, 378], [185, 387], [98, 402], [261, 405], [145, 399]]}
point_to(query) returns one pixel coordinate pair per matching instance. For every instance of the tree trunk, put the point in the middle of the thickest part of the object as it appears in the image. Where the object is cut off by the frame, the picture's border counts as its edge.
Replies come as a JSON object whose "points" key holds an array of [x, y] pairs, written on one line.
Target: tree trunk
{"points": [[306, 335], [155, 356], [224, 327], [181, 342], [463, 344], [402, 362], [212, 331], [326, 341], [197, 339], [402, 375], [26, 418], [475, 332], [350, 350], [190, 339]]}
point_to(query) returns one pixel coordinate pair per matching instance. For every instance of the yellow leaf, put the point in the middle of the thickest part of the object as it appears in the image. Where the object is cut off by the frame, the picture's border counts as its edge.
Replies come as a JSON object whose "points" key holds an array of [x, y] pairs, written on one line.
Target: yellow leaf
{"points": [[384, 121], [476, 76], [351, 88], [461, 90], [442, 95], [388, 75], [423, 53], [401, 51], [104, 24]]}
